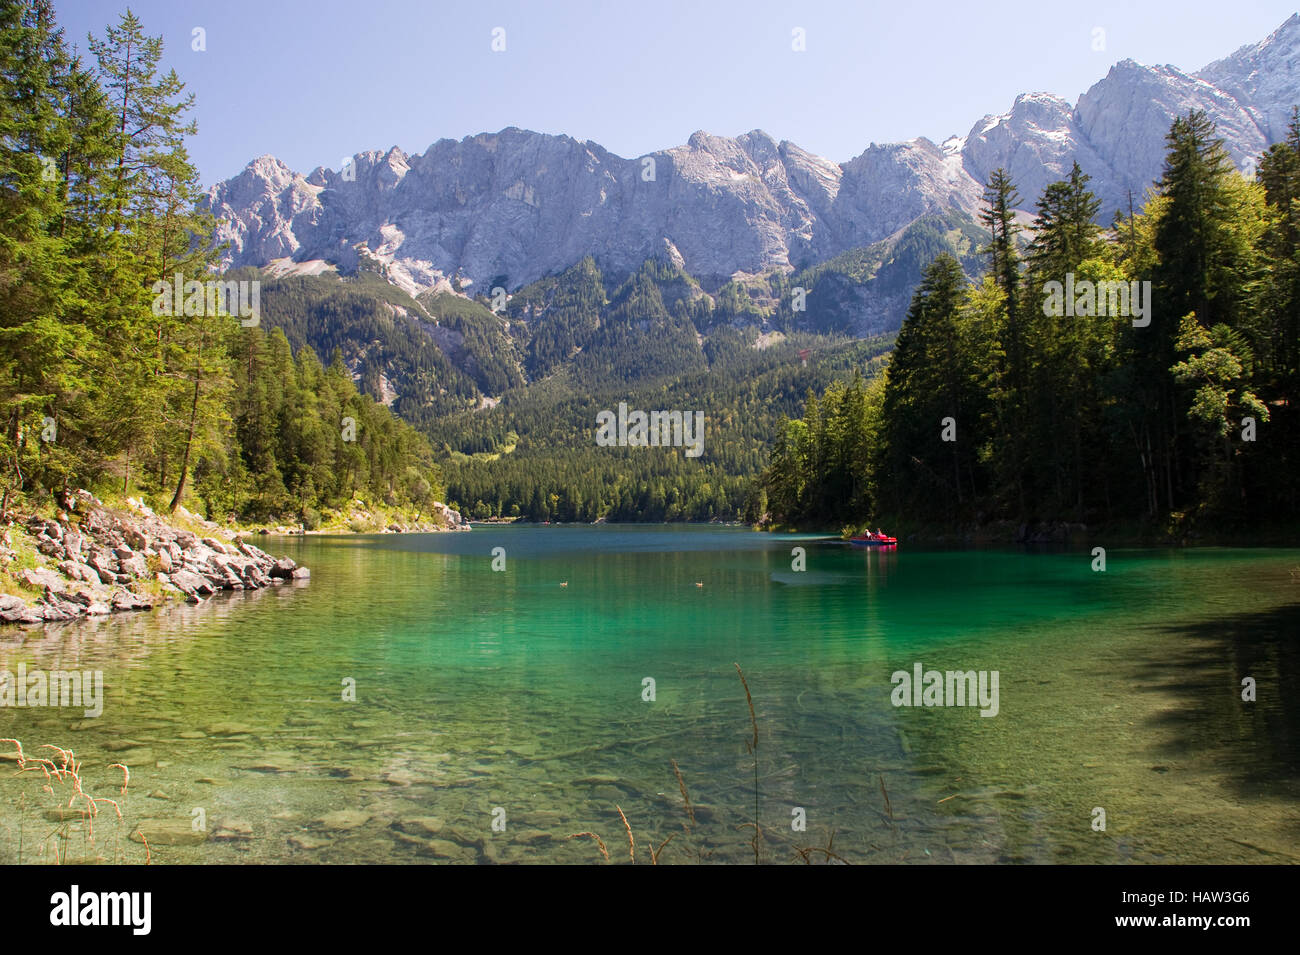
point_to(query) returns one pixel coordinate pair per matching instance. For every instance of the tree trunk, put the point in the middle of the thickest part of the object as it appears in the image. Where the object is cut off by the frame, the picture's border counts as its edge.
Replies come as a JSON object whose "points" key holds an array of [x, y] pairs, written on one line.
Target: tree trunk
{"points": [[121, 158], [189, 442]]}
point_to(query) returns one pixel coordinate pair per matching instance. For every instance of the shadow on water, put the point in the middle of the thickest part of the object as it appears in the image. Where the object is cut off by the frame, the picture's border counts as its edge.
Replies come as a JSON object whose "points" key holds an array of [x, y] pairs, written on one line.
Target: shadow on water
{"points": [[1256, 744]]}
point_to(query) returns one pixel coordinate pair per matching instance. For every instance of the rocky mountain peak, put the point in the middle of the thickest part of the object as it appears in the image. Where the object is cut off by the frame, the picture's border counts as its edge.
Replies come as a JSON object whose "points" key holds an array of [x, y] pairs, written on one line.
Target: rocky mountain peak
{"points": [[517, 205], [1262, 77]]}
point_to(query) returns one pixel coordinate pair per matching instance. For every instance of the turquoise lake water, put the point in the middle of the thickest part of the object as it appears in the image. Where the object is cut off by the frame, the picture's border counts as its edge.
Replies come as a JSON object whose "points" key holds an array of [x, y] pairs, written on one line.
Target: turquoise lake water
{"points": [[519, 697]]}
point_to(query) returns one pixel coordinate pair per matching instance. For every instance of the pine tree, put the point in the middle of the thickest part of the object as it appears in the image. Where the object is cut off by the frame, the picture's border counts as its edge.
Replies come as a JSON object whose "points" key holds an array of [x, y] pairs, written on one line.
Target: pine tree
{"points": [[1199, 272], [38, 350], [155, 195], [1062, 406], [1065, 232], [1012, 398], [929, 380]]}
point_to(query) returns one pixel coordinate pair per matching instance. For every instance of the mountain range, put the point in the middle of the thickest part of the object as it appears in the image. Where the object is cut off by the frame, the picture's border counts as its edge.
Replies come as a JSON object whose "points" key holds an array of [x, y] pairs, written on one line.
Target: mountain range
{"points": [[508, 208]]}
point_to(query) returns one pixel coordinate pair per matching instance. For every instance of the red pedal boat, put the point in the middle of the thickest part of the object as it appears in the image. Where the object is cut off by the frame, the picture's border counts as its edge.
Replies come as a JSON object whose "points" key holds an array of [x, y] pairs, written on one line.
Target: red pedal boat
{"points": [[873, 540]]}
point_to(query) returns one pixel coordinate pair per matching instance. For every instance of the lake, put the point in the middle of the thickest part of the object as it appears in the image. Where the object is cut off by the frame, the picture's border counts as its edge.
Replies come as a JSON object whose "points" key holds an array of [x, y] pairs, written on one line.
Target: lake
{"points": [[499, 712]]}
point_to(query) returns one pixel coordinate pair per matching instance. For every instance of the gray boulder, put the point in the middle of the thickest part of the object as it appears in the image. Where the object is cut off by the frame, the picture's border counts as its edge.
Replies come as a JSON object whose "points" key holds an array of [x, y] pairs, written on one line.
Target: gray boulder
{"points": [[191, 583], [283, 568], [43, 578]]}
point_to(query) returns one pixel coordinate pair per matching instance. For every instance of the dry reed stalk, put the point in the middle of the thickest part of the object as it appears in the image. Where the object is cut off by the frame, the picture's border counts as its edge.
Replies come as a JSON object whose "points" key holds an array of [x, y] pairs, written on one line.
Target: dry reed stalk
{"points": [[126, 775], [889, 810], [41, 764], [92, 810], [681, 784], [600, 843], [758, 831], [631, 843], [654, 853], [750, 700], [753, 751], [68, 770], [66, 754], [826, 852], [830, 843]]}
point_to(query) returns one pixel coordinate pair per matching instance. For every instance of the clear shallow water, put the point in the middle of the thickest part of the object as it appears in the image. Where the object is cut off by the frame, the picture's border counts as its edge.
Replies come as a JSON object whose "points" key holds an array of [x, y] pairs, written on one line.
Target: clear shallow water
{"points": [[479, 689]]}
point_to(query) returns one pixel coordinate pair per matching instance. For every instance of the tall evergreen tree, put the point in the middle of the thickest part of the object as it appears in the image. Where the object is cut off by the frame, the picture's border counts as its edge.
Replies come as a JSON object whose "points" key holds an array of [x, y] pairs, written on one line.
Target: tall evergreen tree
{"points": [[1062, 406], [930, 398]]}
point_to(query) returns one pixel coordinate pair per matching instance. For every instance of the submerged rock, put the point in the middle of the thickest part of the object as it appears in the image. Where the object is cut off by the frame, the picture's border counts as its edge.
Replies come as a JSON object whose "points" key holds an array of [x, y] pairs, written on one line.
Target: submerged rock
{"points": [[235, 830], [168, 832], [420, 825], [308, 841], [229, 729], [344, 820]]}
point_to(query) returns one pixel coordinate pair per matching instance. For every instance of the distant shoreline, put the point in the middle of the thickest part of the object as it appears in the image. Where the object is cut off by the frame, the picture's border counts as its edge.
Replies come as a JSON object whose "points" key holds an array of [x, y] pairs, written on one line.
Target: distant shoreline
{"points": [[958, 537]]}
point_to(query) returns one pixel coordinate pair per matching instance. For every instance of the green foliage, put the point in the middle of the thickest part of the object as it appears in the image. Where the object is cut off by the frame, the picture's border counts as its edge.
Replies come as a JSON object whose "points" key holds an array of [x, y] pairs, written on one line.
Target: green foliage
{"points": [[308, 440], [1093, 418], [937, 386], [102, 379], [534, 456], [98, 204], [1088, 418], [820, 465], [885, 273], [387, 338], [480, 340], [562, 314]]}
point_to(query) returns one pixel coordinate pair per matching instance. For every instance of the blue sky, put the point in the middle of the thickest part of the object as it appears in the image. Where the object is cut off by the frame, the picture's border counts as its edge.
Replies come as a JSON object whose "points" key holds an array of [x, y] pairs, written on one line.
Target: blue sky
{"points": [[312, 82]]}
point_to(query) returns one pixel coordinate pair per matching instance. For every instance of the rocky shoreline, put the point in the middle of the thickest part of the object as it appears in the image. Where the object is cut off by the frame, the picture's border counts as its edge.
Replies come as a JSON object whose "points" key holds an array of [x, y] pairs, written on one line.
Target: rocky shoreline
{"points": [[93, 560], [361, 520]]}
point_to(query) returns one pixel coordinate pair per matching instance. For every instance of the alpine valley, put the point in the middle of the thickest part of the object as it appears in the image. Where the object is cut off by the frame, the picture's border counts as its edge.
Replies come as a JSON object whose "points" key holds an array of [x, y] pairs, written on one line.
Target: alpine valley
{"points": [[497, 292], [1006, 427]]}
